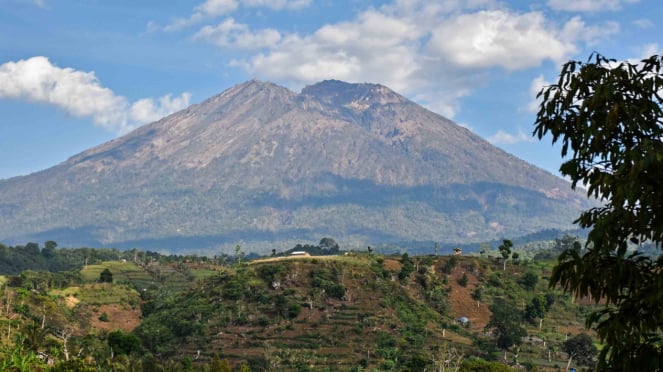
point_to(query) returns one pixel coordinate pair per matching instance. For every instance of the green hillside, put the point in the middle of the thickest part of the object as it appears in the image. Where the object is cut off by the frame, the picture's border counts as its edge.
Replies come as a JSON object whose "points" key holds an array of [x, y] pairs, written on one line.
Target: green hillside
{"points": [[349, 312]]}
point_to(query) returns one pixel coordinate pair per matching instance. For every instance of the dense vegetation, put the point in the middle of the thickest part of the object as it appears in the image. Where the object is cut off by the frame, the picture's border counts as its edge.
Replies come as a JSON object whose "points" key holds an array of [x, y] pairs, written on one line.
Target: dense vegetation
{"points": [[13, 260], [360, 311]]}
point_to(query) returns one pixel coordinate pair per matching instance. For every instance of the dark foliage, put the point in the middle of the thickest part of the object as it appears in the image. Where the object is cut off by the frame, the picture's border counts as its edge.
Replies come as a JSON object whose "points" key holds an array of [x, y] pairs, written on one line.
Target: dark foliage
{"points": [[106, 276], [608, 117], [581, 348]]}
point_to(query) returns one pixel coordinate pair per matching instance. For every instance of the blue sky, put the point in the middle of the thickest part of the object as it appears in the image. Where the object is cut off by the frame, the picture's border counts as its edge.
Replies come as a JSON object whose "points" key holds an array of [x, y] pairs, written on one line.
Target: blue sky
{"points": [[77, 73]]}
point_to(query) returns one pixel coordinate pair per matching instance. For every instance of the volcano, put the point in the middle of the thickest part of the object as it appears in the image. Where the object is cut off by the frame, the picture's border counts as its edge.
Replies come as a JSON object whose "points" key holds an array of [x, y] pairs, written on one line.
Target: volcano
{"points": [[264, 167]]}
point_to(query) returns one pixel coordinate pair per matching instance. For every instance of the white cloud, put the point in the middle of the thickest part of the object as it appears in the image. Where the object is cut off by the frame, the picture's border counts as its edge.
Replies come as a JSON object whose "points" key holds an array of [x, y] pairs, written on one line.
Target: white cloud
{"points": [[146, 110], [504, 138], [376, 48], [236, 35], [499, 38], [649, 50], [587, 5], [277, 4], [208, 9], [215, 8], [80, 94], [414, 47], [437, 51], [576, 29]]}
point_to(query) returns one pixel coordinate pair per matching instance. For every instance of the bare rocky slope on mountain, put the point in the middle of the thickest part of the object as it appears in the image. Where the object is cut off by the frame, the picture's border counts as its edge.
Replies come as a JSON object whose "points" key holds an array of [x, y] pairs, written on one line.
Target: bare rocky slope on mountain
{"points": [[265, 167]]}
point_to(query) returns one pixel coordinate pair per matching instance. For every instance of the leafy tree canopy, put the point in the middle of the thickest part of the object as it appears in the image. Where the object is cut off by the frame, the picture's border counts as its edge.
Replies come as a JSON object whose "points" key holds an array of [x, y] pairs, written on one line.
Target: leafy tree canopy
{"points": [[505, 250], [106, 276], [609, 119], [505, 323], [581, 348]]}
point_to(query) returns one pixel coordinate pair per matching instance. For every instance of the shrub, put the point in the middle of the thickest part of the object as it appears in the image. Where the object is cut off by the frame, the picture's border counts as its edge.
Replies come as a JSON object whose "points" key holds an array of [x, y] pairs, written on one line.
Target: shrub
{"points": [[123, 343], [463, 280], [294, 310], [106, 276]]}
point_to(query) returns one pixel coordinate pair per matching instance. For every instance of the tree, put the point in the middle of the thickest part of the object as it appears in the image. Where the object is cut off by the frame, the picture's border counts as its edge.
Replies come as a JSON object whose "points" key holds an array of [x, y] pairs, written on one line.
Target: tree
{"points": [[505, 250], [124, 343], [407, 267], [64, 334], [477, 295], [609, 119], [329, 245], [106, 276], [536, 309], [581, 348], [529, 280], [239, 255], [505, 324], [49, 249], [515, 257]]}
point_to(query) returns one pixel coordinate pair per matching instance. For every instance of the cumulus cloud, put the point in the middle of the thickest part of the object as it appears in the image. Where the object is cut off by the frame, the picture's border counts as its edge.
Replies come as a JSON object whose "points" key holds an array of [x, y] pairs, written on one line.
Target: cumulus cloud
{"points": [[436, 52], [215, 8], [80, 94], [147, 110], [376, 47], [499, 38], [237, 35], [413, 46], [587, 5], [504, 138]]}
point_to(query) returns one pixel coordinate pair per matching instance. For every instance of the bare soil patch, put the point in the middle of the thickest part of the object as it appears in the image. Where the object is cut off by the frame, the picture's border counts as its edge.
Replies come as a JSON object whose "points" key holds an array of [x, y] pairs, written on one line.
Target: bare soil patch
{"points": [[462, 303], [119, 317]]}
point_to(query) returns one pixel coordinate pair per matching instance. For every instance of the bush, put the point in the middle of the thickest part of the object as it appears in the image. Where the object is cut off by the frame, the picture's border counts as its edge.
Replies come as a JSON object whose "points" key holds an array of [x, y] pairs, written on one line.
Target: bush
{"points": [[463, 280], [294, 310], [106, 276], [450, 264], [529, 280], [327, 280], [123, 343], [407, 267]]}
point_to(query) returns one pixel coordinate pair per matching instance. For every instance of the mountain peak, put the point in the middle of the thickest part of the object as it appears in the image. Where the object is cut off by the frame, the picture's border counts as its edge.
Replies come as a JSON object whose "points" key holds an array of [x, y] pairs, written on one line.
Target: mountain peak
{"points": [[358, 96]]}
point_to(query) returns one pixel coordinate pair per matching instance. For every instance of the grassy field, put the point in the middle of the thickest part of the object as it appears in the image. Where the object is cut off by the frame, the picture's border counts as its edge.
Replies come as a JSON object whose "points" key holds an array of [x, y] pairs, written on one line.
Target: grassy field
{"points": [[169, 275], [102, 294], [122, 271]]}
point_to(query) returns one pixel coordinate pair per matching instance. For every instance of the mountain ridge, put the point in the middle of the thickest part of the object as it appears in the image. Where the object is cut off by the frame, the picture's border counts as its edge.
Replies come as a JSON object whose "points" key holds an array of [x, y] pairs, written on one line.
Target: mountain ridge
{"points": [[355, 161]]}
